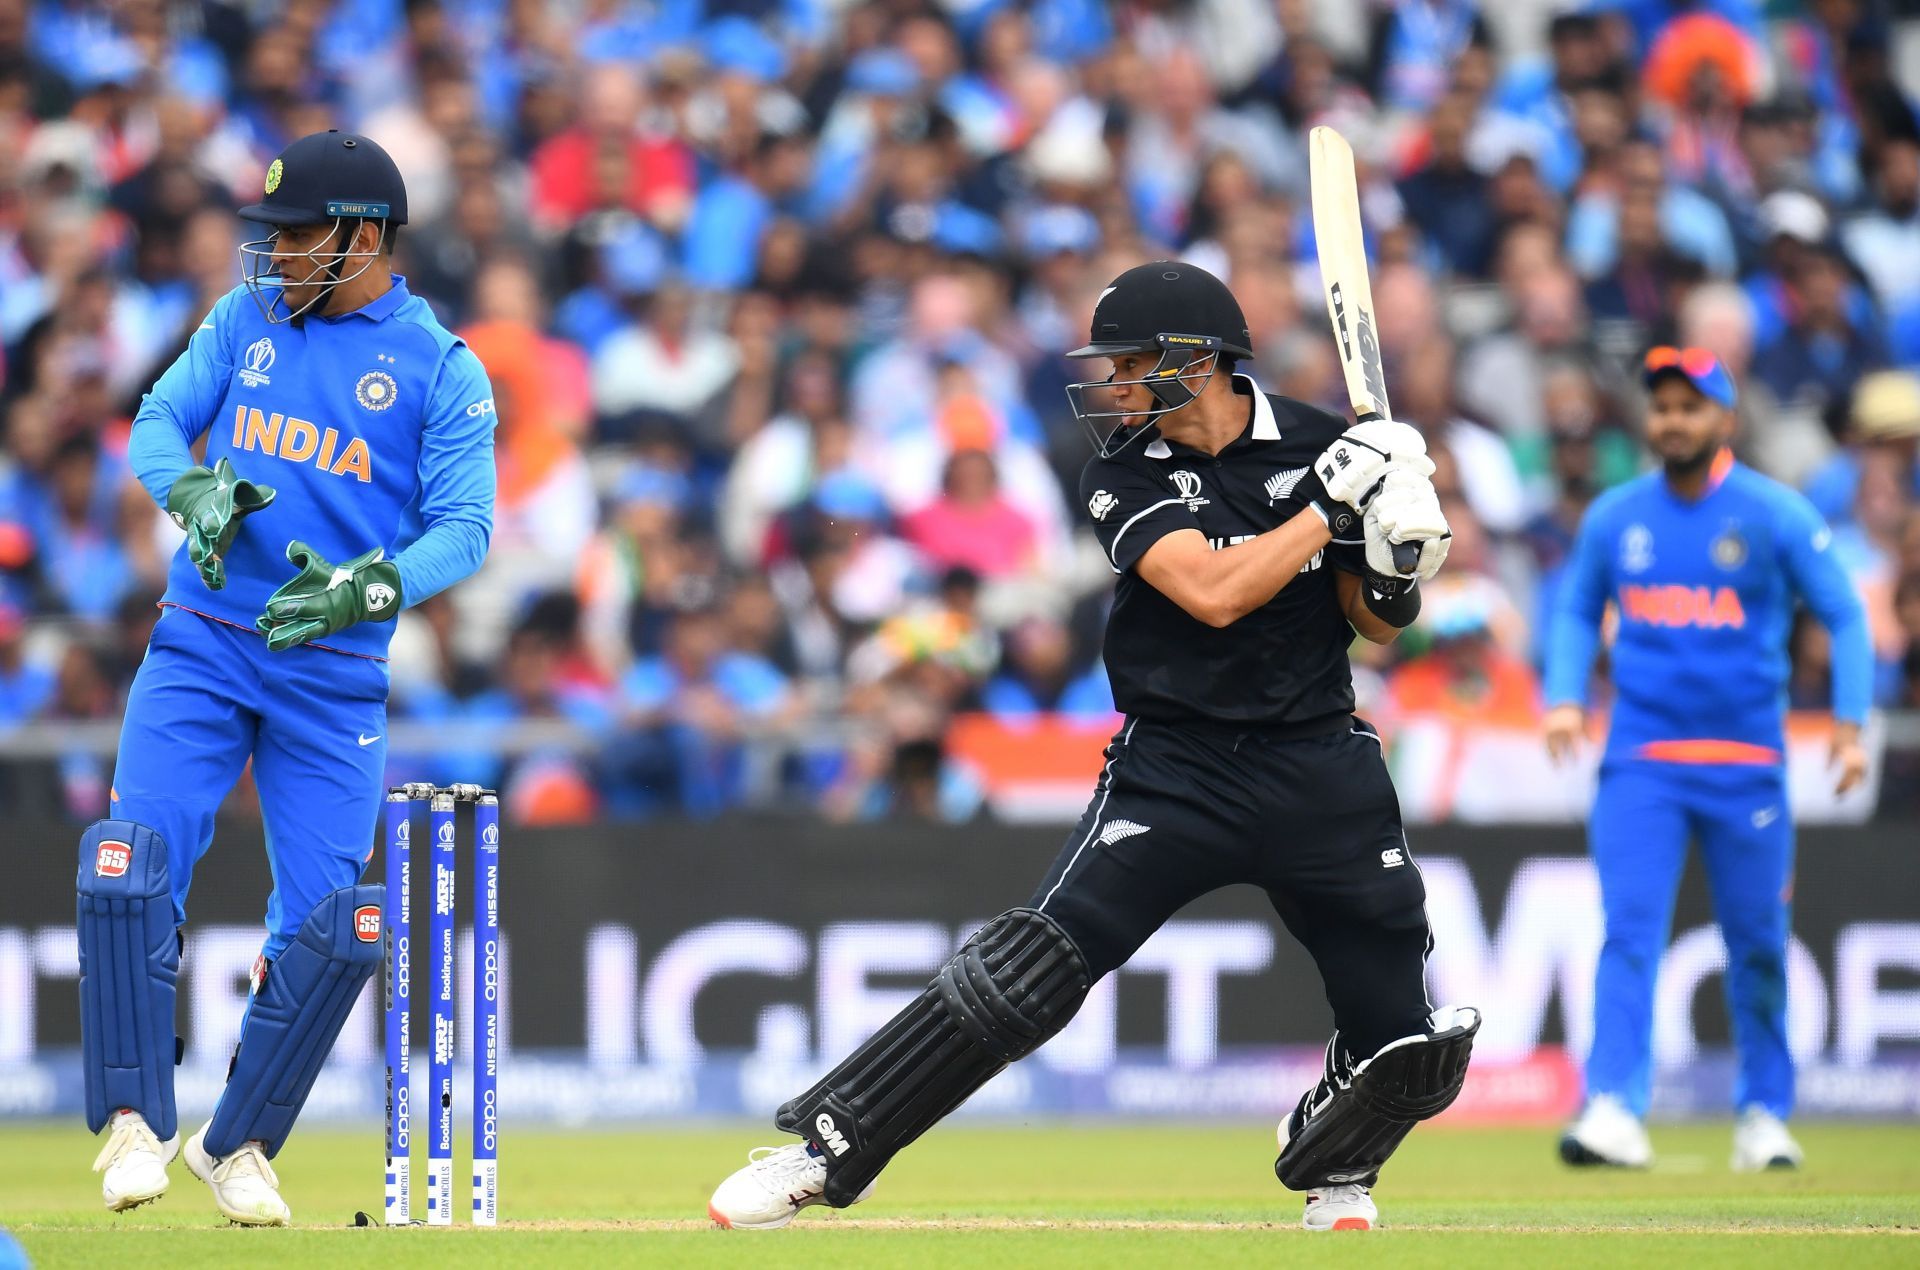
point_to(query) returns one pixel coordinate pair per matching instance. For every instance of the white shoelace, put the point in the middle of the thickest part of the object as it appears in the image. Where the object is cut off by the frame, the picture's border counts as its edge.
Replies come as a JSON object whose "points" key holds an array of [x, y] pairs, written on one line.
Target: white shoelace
{"points": [[787, 1169], [248, 1161], [1347, 1193], [129, 1134]]}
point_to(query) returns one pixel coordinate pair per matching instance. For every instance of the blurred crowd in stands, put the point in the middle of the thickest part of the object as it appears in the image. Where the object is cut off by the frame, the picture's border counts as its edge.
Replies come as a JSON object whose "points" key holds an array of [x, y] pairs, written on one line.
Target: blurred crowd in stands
{"points": [[774, 295]]}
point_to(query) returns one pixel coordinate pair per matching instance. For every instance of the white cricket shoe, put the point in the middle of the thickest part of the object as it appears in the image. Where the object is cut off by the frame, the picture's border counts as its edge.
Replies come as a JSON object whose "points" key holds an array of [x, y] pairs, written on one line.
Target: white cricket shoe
{"points": [[1345, 1207], [776, 1184], [1761, 1141], [245, 1188], [1607, 1133], [134, 1162]]}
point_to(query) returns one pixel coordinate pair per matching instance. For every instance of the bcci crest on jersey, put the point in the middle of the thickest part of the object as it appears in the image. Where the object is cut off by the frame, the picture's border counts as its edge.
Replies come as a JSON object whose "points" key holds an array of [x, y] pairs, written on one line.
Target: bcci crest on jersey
{"points": [[376, 390], [1729, 550]]}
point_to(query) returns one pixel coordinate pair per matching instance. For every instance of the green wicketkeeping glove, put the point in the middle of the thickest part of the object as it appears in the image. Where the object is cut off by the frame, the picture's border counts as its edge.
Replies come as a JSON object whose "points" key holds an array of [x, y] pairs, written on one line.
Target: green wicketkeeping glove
{"points": [[210, 503], [324, 598]]}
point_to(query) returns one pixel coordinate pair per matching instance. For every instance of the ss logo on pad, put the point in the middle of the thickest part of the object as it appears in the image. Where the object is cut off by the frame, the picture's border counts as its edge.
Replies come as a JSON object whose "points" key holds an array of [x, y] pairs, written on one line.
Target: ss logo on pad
{"points": [[113, 860]]}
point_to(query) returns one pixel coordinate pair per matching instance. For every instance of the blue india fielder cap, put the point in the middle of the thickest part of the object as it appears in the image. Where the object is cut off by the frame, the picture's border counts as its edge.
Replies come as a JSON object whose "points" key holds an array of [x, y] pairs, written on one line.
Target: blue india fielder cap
{"points": [[1707, 373], [329, 174]]}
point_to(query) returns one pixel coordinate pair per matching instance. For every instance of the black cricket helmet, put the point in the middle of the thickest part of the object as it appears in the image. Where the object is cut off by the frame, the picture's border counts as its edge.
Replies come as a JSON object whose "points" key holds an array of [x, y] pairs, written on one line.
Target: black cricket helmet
{"points": [[1169, 307], [332, 177]]}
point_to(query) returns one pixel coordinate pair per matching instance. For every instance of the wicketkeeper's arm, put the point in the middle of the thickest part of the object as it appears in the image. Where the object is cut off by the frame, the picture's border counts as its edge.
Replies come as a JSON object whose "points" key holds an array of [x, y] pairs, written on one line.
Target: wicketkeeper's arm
{"points": [[180, 407], [456, 481]]}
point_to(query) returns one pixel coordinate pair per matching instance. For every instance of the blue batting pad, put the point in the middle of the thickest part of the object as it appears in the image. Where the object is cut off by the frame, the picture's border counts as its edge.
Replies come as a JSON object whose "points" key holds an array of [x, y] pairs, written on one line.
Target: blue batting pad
{"points": [[129, 962], [296, 1015]]}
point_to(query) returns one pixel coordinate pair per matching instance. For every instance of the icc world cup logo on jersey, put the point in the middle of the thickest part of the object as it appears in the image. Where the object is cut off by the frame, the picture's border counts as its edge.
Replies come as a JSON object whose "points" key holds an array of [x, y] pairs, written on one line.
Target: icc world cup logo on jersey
{"points": [[259, 359]]}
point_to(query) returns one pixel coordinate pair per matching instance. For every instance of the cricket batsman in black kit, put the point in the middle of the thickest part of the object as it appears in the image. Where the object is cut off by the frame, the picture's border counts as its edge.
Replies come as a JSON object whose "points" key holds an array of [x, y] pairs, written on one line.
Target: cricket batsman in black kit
{"points": [[1253, 536]]}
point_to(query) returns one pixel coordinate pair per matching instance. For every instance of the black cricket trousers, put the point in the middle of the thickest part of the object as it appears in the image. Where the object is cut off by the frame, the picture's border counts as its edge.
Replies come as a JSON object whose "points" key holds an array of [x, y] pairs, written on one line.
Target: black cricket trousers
{"points": [[1184, 809]]}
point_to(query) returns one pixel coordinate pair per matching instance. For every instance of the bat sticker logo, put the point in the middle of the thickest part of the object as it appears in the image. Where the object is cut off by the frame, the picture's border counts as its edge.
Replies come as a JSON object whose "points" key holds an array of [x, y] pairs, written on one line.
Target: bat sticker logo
{"points": [[1370, 366], [1339, 300]]}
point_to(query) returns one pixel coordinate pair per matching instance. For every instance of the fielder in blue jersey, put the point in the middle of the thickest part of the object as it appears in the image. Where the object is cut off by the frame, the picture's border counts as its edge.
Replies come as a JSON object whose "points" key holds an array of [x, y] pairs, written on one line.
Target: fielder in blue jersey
{"points": [[348, 473], [1703, 562]]}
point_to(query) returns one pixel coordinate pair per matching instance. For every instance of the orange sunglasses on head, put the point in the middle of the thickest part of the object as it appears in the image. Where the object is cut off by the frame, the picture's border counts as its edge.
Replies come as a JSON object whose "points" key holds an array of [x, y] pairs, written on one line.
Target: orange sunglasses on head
{"points": [[1693, 362]]}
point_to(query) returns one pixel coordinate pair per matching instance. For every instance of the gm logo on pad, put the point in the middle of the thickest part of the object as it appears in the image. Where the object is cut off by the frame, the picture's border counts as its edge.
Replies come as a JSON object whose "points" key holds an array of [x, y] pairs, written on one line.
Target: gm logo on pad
{"points": [[113, 859], [366, 923]]}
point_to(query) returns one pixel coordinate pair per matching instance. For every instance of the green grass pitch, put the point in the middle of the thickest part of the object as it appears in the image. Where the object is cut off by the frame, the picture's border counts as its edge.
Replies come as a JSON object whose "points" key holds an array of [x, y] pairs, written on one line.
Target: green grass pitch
{"points": [[1048, 1195]]}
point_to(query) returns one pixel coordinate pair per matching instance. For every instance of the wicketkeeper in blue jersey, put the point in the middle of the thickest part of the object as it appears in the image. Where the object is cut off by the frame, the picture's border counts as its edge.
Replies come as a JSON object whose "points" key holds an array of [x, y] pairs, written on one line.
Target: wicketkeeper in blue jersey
{"points": [[348, 473], [1703, 561]]}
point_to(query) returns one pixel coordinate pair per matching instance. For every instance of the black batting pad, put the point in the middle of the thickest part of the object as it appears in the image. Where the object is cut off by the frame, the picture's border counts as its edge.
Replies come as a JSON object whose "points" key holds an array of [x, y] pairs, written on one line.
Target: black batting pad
{"points": [[1346, 1129], [1016, 983]]}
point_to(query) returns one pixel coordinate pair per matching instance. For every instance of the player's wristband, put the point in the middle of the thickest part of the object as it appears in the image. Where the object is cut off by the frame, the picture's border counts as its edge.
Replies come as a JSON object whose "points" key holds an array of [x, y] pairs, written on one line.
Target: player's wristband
{"points": [[1310, 494], [1395, 601]]}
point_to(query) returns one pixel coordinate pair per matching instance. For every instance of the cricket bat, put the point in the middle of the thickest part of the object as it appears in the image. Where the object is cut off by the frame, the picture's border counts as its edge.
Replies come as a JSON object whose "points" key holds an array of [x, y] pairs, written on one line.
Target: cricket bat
{"points": [[1343, 273]]}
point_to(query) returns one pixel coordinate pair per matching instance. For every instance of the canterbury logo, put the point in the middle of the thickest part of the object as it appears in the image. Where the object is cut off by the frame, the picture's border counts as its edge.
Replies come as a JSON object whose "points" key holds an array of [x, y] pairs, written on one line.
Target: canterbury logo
{"points": [[1118, 830], [1281, 484]]}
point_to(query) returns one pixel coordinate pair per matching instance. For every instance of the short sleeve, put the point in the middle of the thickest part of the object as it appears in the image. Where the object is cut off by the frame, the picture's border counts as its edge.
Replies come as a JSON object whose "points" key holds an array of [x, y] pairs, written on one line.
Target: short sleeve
{"points": [[1129, 511]]}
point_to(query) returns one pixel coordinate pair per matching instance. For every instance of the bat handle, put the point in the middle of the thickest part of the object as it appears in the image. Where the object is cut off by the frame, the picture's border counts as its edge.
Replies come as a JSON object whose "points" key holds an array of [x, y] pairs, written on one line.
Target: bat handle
{"points": [[1406, 556]]}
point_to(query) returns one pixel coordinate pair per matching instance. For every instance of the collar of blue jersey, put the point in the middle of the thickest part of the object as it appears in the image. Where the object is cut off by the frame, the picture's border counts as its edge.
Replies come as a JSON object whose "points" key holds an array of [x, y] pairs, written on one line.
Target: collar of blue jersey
{"points": [[1264, 426], [1716, 476], [377, 310]]}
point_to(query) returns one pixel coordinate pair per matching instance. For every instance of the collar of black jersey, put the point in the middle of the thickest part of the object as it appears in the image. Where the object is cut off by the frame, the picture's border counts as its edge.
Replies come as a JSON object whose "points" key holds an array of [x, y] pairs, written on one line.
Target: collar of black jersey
{"points": [[1263, 428], [382, 307]]}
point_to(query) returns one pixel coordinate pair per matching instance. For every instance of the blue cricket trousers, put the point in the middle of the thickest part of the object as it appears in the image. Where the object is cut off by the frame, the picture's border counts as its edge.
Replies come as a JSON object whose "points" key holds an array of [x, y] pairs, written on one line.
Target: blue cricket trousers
{"points": [[1643, 818], [208, 697]]}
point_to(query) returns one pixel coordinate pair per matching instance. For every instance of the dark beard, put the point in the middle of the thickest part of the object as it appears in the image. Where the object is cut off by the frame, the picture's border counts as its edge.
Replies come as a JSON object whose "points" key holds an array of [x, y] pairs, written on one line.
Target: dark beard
{"points": [[1688, 468]]}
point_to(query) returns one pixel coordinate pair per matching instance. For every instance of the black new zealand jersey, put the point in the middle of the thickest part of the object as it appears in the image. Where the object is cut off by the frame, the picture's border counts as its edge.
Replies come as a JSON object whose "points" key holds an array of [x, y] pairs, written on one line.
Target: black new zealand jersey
{"points": [[1285, 662]]}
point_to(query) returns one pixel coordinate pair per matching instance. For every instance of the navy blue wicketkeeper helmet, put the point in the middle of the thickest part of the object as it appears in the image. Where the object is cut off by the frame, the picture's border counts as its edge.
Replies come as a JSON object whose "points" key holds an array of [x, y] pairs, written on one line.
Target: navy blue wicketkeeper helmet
{"points": [[330, 177]]}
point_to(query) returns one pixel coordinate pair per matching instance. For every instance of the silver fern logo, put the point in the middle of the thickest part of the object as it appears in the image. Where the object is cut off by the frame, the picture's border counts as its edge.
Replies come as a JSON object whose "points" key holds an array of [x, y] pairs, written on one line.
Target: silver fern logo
{"points": [[1281, 484], [1117, 830]]}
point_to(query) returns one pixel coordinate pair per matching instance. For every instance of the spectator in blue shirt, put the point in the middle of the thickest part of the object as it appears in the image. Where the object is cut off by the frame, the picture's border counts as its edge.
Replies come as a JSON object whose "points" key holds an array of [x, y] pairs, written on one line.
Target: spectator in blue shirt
{"points": [[531, 688], [721, 246], [1824, 349], [25, 687], [1447, 198], [1038, 676], [686, 714], [82, 556]]}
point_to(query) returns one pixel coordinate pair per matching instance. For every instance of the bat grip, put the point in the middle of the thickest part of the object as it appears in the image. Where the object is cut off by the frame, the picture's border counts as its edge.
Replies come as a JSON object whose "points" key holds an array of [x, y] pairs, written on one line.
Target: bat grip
{"points": [[1406, 556]]}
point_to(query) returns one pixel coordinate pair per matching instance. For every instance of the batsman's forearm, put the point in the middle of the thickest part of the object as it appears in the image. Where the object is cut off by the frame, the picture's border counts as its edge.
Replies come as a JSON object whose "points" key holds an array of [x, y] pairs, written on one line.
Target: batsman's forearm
{"points": [[448, 551], [1253, 572]]}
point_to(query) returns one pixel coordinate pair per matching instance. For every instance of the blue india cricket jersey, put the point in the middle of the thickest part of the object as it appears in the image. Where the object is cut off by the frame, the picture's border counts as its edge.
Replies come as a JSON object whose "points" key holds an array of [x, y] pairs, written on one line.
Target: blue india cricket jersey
{"points": [[1705, 593], [375, 427]]}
